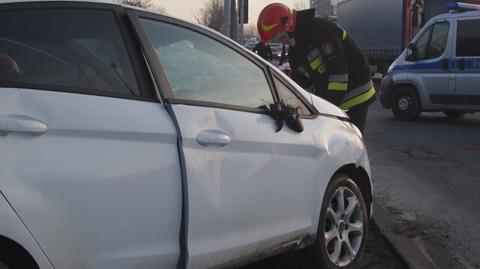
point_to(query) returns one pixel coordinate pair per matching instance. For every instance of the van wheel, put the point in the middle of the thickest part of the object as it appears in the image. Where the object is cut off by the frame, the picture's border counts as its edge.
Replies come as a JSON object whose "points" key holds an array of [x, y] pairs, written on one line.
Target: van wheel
{"points": [[343, 227], [454, 114], [406, 104]]}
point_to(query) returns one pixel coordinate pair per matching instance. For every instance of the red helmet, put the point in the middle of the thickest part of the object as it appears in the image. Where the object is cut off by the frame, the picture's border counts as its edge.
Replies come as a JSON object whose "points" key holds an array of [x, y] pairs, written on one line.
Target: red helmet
{"points": [[273, 19]]}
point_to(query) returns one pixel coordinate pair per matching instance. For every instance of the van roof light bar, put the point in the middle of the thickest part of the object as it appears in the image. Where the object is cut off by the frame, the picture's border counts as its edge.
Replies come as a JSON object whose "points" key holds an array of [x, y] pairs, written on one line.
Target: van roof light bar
{"points": [[459, 6]]}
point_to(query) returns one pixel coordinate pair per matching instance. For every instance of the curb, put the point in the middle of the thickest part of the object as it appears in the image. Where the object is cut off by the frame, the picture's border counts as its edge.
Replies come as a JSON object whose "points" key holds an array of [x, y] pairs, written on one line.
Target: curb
{"points": [[405, 247]]}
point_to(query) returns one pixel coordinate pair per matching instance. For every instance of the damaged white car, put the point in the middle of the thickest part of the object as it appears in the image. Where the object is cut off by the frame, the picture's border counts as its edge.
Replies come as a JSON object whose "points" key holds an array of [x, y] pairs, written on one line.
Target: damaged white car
{"points": [[130, 139]]}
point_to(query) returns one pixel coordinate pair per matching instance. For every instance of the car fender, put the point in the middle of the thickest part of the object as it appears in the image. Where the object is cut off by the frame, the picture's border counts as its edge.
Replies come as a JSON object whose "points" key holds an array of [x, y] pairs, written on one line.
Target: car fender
{"points": [[341, 144], [13, 228], [416, 81], [400, 78]]}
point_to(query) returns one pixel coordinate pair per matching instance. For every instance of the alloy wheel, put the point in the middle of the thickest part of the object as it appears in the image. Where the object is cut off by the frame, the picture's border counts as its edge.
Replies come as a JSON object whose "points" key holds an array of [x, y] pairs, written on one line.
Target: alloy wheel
{"points": [[344, 227]]}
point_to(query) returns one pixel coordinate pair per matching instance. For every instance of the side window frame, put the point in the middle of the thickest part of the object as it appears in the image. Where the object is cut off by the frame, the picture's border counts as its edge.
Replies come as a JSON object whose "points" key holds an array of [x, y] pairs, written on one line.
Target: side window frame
{"points": [[306, 103], [431, 29], [159, 75], [145, 87], [455, 35]]}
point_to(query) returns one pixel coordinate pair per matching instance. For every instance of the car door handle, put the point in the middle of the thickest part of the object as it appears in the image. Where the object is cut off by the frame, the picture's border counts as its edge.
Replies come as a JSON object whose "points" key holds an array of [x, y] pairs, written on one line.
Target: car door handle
{"points": [[213, 138], [13, 125]]}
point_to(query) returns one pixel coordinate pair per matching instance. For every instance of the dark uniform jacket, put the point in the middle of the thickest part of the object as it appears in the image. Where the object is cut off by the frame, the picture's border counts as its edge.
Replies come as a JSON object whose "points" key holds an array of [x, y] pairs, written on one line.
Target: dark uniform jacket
{"points": [[327, 60], [263, 50]]}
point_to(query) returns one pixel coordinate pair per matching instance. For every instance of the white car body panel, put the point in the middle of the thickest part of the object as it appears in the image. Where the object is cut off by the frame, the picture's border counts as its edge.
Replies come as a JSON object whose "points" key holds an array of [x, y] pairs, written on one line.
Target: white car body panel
{"points": [[252, 187], [12, 228], [101, 188]]}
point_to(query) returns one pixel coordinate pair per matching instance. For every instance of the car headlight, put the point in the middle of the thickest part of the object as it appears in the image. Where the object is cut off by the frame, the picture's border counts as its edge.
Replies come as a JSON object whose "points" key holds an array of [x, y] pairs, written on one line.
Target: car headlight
{"points": [[390, 69]]}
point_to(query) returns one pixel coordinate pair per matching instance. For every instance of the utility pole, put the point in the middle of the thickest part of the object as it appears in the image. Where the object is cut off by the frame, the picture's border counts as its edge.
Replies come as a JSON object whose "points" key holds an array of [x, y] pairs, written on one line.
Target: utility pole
{"points": [[233, 20], [230, 19], [226, 17], [243, 17]]}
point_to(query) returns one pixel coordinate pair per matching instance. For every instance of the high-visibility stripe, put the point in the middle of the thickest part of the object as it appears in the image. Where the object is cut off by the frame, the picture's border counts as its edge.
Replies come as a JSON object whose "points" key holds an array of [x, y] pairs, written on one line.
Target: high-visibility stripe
{"points": [[338, 78], [316, 63], [322, 69], [357, 91], [313, 54], [337, 86], [358, 100], [344, 35], [302, 70]]}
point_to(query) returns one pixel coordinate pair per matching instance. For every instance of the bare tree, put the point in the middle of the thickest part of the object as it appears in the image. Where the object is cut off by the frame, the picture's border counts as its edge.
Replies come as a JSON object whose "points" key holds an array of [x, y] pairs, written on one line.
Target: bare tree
{"points": [[211, 14], [299, 5], [147, 4], [250, 30]]}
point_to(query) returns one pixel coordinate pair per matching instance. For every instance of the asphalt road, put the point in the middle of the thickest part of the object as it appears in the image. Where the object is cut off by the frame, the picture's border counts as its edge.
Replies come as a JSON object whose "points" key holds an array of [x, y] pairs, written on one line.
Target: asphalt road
{"points": [[378, 255], [427, 174]]}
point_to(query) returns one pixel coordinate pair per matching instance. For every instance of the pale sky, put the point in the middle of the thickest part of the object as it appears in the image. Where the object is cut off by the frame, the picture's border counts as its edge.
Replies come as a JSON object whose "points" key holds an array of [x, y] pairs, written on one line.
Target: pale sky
{"points": [[184, 8]]}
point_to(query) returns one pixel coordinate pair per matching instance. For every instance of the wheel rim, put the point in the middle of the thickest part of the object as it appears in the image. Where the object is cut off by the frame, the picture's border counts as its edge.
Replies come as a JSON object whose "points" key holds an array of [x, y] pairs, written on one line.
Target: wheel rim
{"points": [[404, 103], [343, 227]]}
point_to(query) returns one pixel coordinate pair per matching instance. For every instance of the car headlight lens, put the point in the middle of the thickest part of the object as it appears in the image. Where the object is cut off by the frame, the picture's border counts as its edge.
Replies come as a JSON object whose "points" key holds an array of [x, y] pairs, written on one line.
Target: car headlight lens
{"points": [[390, 69]]}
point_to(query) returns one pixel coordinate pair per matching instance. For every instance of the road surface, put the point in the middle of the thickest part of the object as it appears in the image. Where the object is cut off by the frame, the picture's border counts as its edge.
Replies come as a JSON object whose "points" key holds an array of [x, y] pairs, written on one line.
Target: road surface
{"points": [[427, 174]]}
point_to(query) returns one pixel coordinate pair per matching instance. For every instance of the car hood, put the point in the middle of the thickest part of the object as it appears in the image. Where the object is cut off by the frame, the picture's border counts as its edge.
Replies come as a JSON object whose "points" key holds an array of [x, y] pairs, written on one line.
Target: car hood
{"points": [[326, 107]]}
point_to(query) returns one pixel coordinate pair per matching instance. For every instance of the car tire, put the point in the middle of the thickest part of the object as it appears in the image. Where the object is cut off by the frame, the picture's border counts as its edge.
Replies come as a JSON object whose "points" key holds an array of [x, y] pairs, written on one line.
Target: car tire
{"points": [[454, 114], [406, 104], [3, 265], [342, 233]]}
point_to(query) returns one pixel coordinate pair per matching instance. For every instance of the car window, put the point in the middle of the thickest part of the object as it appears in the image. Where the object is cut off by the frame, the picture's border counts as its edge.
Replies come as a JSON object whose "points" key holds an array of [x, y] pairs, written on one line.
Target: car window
{"points": [[468, 38], [422, 44], [202, 69], [433, 41], [438, 41], [72, 48], [289, 98]]}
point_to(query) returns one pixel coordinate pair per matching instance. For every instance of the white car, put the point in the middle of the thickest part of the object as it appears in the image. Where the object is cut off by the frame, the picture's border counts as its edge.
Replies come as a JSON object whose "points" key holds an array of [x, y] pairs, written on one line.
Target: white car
{"points": [[130, 139]]}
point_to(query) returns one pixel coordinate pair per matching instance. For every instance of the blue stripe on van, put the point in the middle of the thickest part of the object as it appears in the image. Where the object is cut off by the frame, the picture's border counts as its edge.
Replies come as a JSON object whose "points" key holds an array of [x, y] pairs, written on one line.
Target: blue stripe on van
{"points": [[472, 64]]}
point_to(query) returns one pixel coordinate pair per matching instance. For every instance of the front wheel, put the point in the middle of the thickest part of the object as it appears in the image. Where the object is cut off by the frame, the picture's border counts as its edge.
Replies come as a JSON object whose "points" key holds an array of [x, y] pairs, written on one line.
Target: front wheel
{"points": [[343, 226], [406, 104]]}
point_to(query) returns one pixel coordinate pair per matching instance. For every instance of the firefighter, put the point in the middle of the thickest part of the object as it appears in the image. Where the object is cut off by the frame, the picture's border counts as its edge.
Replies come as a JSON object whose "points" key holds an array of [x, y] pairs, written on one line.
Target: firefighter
{"points": [[264, 50], [323, 58]]}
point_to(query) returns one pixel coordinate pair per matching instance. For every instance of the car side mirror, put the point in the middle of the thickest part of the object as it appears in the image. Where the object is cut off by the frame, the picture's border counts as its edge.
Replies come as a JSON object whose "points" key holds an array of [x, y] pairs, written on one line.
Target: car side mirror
{"points": [[412, 53], [294, 122]]}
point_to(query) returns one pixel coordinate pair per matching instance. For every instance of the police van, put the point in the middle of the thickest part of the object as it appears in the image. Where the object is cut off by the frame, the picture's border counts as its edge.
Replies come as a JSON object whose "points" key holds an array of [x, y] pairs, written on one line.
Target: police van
{"points": [[440, 69]]}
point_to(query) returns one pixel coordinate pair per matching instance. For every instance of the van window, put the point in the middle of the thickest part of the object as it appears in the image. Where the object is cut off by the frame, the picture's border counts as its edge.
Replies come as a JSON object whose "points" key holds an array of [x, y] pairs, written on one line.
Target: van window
{"points": [[468, 38], [439, 40], [432, 43], [422, 44]]}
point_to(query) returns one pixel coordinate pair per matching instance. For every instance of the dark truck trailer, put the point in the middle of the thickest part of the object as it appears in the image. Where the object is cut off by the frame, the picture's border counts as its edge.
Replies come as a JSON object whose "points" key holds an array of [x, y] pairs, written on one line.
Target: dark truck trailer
{"points": [[383, 28]]}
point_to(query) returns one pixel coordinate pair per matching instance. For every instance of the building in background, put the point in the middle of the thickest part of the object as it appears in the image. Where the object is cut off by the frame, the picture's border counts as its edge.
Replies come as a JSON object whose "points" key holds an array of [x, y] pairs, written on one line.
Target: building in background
{"points": [[323, 8]]}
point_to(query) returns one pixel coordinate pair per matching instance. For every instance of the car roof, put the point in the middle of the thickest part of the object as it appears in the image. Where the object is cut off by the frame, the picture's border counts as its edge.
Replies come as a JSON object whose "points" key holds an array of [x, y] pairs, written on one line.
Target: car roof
{"points": [[467, 14], [117, 3]]}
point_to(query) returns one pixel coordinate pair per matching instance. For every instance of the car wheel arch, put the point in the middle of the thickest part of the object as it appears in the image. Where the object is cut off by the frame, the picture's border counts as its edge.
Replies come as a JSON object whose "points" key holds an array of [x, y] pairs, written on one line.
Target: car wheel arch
{"points": [[360, 176], [16, 254]]}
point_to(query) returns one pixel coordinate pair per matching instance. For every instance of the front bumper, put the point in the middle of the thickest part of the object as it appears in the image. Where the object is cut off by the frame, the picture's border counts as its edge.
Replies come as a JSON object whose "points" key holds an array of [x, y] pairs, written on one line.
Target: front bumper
{"points": [[386, 91]]}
